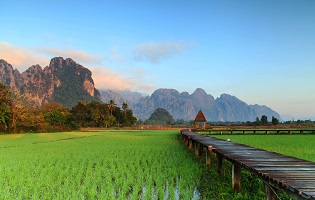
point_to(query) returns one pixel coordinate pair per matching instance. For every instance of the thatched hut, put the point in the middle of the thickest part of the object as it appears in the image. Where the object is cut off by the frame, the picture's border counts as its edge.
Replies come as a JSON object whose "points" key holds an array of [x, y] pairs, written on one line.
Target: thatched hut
{"points": [[200, 118]]}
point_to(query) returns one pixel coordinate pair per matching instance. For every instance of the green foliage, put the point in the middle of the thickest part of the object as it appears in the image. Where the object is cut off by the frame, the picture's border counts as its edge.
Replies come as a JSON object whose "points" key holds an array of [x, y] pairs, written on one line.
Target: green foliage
{"points": [[5, 106], [129, 119], [215, 186], [274, 121], [258, 122], [264, 120], [55, 114], [96, 114], [161, 116], [111, 106], [92, 114]]}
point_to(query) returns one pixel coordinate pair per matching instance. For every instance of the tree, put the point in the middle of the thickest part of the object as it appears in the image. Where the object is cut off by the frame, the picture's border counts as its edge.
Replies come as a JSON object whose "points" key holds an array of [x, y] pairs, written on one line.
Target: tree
{"points": [[94, 114], [257, 122], [55, 114], [111, 106], [125, 107], [130, 120], [18, 110], [274, 121], [264, 120], [5, 105], [162, 116]]}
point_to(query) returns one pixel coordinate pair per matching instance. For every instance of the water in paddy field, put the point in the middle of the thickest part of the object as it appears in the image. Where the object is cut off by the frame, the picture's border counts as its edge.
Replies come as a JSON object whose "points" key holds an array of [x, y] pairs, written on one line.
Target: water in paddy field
{"points": [[167, 194]]}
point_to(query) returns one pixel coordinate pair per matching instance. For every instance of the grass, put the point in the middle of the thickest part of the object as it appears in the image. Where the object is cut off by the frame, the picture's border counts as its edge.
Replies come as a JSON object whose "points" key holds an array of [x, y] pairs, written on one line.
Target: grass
{"points": [[299, 146]]}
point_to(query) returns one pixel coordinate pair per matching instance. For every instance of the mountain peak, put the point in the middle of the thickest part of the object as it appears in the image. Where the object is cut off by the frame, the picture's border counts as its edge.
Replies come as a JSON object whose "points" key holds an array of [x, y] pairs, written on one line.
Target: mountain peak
{"points": [[185, 106], [165, 92], [63, 81]]}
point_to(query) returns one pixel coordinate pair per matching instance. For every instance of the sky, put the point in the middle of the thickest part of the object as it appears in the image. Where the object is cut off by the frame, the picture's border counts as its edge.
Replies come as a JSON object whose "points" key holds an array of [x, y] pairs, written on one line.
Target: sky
{"points": [[262, 52]]}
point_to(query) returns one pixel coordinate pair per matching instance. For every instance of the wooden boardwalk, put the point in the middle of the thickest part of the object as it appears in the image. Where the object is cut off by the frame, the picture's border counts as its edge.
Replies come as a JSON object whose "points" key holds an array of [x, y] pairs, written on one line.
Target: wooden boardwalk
{"points": [[293, 176]]}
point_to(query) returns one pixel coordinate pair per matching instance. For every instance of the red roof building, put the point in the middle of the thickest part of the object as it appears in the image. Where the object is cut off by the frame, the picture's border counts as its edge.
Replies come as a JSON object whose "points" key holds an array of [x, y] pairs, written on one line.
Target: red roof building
{"points": [[200, 118]]}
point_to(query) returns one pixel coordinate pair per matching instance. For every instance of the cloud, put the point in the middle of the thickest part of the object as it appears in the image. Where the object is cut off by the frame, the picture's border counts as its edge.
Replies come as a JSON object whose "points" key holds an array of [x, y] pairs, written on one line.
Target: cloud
{"points": [[78, 56], [138, 71], [20, 57], [115, 55], [155, 52], [107, 79], [146, 87], [104, 78]]}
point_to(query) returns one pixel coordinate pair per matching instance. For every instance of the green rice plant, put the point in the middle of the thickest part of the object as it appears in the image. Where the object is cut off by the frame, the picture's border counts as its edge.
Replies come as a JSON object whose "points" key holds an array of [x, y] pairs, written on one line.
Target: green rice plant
{"points": [[114, 164], [299, 146]]}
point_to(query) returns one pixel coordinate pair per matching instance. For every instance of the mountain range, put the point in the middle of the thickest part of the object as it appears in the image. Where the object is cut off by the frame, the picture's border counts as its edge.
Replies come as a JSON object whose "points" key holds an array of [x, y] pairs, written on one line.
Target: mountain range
{"points": [[186, 106], [67, 82]]}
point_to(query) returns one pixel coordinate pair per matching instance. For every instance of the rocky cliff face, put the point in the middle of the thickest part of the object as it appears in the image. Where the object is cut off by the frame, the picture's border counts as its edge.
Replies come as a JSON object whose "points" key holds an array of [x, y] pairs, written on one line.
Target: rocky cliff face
{"points": [[120, 96], [63, 81], [185, 106]]}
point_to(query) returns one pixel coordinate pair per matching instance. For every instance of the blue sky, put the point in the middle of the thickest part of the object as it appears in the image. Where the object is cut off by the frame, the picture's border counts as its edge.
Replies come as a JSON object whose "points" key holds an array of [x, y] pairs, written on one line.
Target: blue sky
{"points": [[262, 52]]}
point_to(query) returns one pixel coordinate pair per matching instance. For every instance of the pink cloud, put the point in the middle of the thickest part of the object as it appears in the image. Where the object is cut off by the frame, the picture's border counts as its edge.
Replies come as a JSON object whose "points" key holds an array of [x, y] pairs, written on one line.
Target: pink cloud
{"points": [[107, 79], [21, 58], [104, 78], [78, 56]]}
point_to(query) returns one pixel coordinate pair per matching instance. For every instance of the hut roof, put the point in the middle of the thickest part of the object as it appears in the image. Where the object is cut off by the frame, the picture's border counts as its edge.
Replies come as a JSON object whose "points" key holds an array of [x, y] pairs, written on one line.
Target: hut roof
{"points": [[200, 117]]}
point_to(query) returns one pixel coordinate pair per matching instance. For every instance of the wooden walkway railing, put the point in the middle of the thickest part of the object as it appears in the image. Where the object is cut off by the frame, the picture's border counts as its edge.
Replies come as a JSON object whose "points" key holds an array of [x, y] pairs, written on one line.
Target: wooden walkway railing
{"points": [[259, 131], [293, 176]]}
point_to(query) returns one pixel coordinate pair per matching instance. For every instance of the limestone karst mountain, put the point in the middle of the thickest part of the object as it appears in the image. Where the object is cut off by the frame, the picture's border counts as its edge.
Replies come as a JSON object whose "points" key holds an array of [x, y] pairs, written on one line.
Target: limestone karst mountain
{"points": [[63, 81], [186, 106], [68, 82]]}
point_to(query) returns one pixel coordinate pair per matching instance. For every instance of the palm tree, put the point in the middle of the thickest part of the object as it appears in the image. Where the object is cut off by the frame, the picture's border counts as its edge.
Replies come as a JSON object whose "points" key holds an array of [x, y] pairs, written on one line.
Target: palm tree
{"points": [[125, 107], [111, 106]]}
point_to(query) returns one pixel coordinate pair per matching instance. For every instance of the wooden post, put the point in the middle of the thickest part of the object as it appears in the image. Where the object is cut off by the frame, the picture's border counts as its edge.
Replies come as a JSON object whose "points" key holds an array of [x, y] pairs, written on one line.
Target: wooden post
{"points": [[220, 164], [208, 157], [270, 192], [196, 148], [200, 151], [190, 143], [236, 178]]}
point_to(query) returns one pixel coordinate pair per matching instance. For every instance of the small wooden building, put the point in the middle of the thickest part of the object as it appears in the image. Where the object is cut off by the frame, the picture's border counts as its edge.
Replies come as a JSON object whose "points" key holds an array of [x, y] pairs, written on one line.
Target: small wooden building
{"points": [[200, 118]]}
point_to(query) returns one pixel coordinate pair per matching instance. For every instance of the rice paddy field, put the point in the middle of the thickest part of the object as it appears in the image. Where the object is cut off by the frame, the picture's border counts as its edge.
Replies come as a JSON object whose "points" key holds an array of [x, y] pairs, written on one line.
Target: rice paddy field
{"points": [[299, 146], [97, 165], [126, 165]]}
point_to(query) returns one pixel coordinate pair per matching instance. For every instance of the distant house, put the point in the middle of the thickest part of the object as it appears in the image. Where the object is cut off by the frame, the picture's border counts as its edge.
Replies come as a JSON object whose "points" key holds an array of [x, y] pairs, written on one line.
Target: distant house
{"points": [[200, 120]]}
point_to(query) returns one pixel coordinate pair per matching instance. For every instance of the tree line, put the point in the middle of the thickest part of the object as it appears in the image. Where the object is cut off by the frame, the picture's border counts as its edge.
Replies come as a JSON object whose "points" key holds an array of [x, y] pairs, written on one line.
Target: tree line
{"points": [[16, 115]]}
